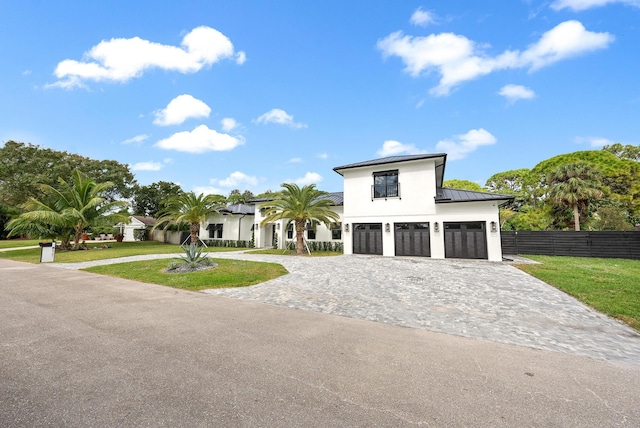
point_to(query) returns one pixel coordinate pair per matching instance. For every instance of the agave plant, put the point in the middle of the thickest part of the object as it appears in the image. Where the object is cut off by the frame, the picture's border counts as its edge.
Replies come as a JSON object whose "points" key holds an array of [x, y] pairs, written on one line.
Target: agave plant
{"points": [[193, 256]]}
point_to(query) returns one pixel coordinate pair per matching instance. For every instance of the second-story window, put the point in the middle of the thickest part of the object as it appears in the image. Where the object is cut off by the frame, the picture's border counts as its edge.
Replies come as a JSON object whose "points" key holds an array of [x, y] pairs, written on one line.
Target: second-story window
{"points": [[385, 184]]}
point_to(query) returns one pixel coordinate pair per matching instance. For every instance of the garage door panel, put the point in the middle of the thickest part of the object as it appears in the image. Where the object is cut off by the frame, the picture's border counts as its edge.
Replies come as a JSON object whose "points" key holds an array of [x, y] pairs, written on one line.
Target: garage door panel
{"points": [[367, 238], [466, 240], [412, 239]]}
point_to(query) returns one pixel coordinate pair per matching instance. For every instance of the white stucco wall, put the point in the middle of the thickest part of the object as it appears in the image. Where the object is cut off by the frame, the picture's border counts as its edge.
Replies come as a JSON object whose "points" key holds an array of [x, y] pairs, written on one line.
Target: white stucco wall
{"points": [[234, 227]]}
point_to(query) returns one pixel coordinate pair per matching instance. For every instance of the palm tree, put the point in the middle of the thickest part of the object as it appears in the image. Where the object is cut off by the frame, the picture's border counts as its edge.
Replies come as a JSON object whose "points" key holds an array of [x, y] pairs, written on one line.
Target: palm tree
{"points": [[300, 205], [189, 208], [70, 209], [574, 185]]}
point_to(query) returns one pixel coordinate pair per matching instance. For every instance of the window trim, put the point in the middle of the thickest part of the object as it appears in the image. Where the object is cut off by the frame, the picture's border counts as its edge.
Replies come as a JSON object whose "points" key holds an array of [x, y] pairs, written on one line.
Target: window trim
{"points": [[376, 188]]}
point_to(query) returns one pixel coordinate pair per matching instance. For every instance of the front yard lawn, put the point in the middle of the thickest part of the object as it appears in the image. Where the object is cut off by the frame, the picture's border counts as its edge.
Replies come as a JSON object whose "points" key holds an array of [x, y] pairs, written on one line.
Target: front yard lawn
{"points": [[16, 243], [117, 249], [228, 273], [611, 286]]}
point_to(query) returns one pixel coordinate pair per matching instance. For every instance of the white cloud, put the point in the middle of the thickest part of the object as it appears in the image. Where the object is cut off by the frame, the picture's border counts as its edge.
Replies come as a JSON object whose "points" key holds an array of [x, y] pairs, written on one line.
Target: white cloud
{"points": [[462, 145], [295, 160], [279, 116], [206, 190], [228, 124], [596, 142], [580, 5], [147, 166], [120, 60], [200, 140], [514, 93], [26, 72], [309, 178], [422, 17], [151, 166], [236, 179], [137, 139], [241, 57], [457, 59], [323, 155], [391, 147], [181, 108]]}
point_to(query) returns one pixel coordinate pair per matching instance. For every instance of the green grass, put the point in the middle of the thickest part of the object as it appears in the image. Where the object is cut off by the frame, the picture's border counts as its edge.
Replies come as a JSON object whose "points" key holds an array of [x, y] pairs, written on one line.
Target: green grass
{"points": [[293, 253], [118, 249], [228, 273], [611, 286], [17, 243]]}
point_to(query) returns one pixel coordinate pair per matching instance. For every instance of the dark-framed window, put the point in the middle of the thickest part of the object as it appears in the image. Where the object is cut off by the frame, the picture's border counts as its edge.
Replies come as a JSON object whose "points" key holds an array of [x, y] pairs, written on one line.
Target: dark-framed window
{"points": [[336, 231], [311, 232], [385, 184], [215, 231], [290, 231]]}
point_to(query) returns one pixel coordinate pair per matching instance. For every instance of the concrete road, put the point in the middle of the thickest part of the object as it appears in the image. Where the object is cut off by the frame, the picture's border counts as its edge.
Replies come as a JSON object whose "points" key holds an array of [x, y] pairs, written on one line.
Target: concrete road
{"points": [[78, 349]]}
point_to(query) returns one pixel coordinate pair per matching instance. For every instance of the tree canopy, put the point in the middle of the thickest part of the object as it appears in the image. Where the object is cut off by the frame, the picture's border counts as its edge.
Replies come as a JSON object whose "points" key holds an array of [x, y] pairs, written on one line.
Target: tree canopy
{"points": [[150, 200], [463, 185], [300, 205], [24, 166], [187, 207]]}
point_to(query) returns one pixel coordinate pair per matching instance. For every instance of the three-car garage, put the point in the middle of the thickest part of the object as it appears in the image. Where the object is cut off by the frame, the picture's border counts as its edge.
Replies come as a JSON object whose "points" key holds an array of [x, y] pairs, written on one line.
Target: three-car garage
{"points": [[464, 240]]}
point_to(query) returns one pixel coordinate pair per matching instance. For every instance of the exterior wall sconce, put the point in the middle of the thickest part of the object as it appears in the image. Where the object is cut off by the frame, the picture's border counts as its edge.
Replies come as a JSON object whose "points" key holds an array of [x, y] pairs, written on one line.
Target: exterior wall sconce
{"points": [[494, 226], [346, 227], [436, 227], [387, 227]]}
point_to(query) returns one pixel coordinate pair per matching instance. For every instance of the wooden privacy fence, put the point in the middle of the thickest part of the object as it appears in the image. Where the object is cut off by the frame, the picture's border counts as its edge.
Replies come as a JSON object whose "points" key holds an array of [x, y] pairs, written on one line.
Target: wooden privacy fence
{"points": [[624, 245]]}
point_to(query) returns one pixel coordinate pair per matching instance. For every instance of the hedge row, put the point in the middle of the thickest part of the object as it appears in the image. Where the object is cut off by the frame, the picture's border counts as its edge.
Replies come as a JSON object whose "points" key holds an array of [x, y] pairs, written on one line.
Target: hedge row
{"points": [[337, 247]]}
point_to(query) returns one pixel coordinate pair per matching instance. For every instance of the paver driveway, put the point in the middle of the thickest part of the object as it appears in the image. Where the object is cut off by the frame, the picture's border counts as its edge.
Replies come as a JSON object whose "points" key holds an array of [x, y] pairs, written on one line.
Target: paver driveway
{"points": [[479, 299]]}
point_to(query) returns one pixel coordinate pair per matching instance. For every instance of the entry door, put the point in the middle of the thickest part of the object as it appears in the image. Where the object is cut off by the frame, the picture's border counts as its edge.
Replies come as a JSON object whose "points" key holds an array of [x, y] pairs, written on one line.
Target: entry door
{"points": [[465, 240], [412, 239], [367, 238]]}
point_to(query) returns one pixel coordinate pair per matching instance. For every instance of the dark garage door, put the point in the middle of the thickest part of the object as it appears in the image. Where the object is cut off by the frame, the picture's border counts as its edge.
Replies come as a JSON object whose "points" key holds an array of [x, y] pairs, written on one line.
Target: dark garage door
{"points": [[367, 238], [412, 239], [465, 240]]}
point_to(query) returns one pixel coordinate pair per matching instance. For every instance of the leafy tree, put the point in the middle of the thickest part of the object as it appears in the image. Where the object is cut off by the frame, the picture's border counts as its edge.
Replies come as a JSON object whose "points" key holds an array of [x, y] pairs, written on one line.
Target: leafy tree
{"points": [[574, 185], [151, 199], [627, 152], [190, 208], [24, 166], [70, 209], [463, 185], [236, 197], [529, 218], [300, 206], [612, 218], [520, 183]]}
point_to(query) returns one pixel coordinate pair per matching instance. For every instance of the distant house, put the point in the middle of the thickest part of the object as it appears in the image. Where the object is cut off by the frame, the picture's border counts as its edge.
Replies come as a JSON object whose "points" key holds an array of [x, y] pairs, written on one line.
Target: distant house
{"points": [[393, 206], [137, 222], [396, 206]]}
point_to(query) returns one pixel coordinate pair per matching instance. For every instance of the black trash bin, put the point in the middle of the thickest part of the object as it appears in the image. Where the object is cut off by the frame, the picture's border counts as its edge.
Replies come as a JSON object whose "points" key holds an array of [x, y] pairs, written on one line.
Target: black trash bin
{"points": [[47, 252]]}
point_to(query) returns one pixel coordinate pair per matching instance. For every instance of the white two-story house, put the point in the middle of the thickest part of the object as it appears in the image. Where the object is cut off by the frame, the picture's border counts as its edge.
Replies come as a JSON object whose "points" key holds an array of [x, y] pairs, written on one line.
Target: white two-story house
{"points": [[396, 206]]}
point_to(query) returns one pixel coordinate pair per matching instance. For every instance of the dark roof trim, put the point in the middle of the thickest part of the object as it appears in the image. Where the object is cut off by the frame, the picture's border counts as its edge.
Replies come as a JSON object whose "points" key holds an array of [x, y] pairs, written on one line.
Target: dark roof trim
{"points": [[447, 196], [393, 159]]}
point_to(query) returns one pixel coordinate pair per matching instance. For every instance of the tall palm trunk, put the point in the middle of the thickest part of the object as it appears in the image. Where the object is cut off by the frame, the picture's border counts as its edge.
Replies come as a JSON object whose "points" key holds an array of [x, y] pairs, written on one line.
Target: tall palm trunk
{"points": [[299, 237], [576, 218], [194, 228]]}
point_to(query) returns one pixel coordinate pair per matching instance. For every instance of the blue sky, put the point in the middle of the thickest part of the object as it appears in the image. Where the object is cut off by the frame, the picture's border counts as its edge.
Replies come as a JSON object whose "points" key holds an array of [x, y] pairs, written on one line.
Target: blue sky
{"points": [[220, 95]]}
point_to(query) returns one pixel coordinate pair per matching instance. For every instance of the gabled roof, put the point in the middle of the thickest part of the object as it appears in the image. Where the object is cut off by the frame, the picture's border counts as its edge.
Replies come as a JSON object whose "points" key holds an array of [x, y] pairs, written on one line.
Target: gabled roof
{"points": [[444, 196], [241, 209], [147, 221], [440, 158]]}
